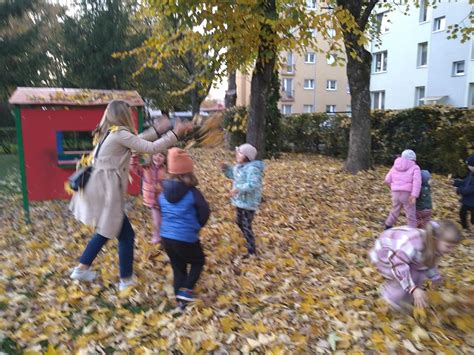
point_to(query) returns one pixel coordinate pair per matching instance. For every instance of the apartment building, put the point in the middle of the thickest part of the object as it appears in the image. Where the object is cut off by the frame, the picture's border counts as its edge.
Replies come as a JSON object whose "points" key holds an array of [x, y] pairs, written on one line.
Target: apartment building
{"points": [[310, 82], [414, 63]]}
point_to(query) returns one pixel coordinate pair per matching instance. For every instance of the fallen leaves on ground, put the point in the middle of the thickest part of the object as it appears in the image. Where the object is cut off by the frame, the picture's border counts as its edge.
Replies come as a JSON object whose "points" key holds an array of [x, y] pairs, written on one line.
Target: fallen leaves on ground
{"points": [[312, 289]]}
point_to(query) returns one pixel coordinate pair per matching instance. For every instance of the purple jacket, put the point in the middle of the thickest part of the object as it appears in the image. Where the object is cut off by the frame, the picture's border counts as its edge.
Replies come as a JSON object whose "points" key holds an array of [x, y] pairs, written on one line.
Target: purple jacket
{"points": [[404, 175], [398, 252]]}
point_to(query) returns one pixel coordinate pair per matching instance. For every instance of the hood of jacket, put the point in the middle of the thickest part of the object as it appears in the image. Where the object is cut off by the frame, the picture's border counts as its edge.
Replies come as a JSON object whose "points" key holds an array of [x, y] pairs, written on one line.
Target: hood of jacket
{"points": [[402, 164], [174, 190]]}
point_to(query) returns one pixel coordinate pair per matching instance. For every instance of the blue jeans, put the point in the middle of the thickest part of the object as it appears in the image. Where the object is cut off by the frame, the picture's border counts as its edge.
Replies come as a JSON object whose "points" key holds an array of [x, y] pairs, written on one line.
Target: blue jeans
{"points": [[126, 244]]}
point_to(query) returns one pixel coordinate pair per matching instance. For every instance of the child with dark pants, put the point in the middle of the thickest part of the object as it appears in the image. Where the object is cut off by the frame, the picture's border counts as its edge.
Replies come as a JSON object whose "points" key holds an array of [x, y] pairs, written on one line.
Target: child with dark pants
{"points": [[465, 188], [184, 212], [246, 193]]}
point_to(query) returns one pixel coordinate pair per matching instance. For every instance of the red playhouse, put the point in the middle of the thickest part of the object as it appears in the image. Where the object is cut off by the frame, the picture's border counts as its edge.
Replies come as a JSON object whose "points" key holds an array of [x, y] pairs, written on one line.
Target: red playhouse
{"points": [[54, 130]]}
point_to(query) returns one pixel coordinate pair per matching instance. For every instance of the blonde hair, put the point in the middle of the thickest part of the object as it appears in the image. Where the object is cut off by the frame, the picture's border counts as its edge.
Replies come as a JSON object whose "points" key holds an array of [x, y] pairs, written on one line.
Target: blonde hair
{"points": [[189, 179], [117, 113], [444, 230]]}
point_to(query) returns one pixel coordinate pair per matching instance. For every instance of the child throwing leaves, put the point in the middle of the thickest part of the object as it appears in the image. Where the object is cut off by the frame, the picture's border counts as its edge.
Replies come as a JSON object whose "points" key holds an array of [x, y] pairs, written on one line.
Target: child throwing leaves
{"points": [[246, 193], [404, 179], [465, 188], [424, 206], [152, 172], [184, 211], [408, 256]]}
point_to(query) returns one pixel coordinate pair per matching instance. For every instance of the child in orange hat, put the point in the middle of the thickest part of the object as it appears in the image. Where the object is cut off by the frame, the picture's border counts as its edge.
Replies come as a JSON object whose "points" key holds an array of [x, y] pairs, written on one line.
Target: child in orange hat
{"points": [[184, 211]]}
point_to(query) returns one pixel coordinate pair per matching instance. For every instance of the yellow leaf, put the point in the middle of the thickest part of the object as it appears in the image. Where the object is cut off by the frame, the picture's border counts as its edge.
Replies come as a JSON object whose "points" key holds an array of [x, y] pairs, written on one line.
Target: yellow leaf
{"points": [[51, 350], [209, 345], [227, 324], [186, 346]]}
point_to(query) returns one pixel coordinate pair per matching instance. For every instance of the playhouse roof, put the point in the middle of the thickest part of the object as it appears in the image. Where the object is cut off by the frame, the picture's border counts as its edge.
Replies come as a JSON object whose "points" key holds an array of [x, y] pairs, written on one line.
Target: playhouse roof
{"points": [[73, 97]]}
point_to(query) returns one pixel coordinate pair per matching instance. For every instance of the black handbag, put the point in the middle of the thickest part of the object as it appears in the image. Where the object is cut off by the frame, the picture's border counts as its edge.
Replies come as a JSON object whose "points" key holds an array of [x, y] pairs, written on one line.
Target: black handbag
{"points": [[79, 179]]}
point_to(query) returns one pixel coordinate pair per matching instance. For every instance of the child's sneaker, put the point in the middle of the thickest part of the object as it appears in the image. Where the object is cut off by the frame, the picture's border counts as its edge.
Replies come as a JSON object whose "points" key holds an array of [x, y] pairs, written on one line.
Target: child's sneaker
{"points": [[185, 294], [83, 274], [127, 283]]}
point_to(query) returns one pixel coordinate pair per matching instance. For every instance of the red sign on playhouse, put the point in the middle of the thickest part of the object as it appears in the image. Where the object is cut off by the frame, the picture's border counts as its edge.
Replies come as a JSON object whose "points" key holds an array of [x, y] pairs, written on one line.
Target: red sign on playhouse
{"points": [[53, 131]]}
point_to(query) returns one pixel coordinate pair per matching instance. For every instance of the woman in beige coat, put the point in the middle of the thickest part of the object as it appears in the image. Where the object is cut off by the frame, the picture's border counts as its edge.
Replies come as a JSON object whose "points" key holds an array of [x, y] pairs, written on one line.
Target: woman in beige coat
{"points": [[101, 204]]}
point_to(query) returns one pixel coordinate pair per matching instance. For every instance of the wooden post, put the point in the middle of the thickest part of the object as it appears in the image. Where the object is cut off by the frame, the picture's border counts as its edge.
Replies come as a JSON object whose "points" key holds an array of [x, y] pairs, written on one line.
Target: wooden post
{"points": [[21, 156]]}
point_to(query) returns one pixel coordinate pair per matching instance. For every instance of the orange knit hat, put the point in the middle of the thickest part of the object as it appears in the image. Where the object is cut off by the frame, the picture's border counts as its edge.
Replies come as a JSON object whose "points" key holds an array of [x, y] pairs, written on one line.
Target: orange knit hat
{"points": [[179, 162]]}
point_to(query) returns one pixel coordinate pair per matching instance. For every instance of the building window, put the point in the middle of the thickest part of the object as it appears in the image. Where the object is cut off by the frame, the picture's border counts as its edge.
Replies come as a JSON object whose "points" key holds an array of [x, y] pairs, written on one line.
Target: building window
{"points": [[458, 68], [308, 108], [311, 4], [419, 95], [330, 108], [331, 85], [310, 58], [331, 59], [422, 54], [439, 24], [380, 62], [331, 32], [382, 22], [309, 84], [290, 63], [288, 87], [314, 32], [286, 109], [378, 100], [423, 10]]}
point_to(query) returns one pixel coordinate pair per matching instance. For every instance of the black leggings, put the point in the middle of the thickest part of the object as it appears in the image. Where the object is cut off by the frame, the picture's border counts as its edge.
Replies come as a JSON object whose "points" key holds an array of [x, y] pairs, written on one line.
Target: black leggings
{"points": [[181, 254], [244, 221], [463, 215]]}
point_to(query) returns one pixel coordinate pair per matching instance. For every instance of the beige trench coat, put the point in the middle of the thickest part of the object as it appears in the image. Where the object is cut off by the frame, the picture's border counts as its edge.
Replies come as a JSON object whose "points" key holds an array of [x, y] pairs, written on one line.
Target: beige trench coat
{"points": [[102, 203]]}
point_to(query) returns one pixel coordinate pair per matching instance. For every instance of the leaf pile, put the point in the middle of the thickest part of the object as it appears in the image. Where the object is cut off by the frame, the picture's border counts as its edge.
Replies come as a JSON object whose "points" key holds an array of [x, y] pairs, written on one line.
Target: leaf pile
{"points": [[312, 289]]}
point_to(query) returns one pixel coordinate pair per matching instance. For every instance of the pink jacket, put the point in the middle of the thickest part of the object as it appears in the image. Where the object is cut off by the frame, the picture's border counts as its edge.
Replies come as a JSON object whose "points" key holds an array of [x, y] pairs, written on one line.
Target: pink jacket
{"points": [[152, 176], [404, 175], [398, 252]]}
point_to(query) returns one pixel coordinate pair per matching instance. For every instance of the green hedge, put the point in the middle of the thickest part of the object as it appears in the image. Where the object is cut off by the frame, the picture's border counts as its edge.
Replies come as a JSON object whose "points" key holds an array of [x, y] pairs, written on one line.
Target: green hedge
{"points": [[8, 140], [442, 136]]}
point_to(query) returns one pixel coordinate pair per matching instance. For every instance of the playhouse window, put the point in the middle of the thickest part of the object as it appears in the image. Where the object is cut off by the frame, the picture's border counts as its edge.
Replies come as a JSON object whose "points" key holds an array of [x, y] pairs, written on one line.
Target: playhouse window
{"points": [[71, 145]]}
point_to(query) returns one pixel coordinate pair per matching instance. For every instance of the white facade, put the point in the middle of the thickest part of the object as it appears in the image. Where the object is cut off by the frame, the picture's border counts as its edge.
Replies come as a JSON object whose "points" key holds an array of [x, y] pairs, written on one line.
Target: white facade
{"points": [[414, 63]]}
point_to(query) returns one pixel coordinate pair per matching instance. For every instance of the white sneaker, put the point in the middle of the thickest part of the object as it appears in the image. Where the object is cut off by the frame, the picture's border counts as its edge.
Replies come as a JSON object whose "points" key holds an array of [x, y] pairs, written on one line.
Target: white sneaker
{"points": [[83, 275], [127, 283]]}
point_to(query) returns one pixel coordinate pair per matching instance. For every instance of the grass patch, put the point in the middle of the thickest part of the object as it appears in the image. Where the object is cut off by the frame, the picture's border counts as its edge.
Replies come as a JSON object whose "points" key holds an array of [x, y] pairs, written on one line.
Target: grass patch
{"points": [[9, 174]]}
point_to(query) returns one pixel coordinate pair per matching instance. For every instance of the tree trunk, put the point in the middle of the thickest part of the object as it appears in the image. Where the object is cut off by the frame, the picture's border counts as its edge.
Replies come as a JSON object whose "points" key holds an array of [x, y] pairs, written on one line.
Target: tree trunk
{"points": [[358, 73], [196, 101], [231, 93], [261, 83]]}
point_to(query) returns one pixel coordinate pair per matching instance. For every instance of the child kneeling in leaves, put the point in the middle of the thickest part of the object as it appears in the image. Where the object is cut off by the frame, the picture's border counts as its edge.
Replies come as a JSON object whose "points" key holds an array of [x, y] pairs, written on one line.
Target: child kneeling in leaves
{"points": [[184, 211], [408, 256]]}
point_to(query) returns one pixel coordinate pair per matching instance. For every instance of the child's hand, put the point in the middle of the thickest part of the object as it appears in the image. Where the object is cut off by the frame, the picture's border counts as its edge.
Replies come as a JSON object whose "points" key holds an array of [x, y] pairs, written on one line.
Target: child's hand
{"points": [[233, 192], [412, 200], [419, 298]]}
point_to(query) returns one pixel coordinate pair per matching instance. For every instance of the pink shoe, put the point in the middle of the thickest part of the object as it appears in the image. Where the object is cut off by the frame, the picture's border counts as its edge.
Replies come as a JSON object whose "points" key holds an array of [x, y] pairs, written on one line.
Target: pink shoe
{"points": [[155, 240]]}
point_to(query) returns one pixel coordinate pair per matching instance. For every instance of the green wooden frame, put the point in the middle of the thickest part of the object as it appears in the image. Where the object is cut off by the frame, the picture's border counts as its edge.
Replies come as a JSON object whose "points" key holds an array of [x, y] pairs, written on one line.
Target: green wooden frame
{"points": [[140, 119], [21, 156]]}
